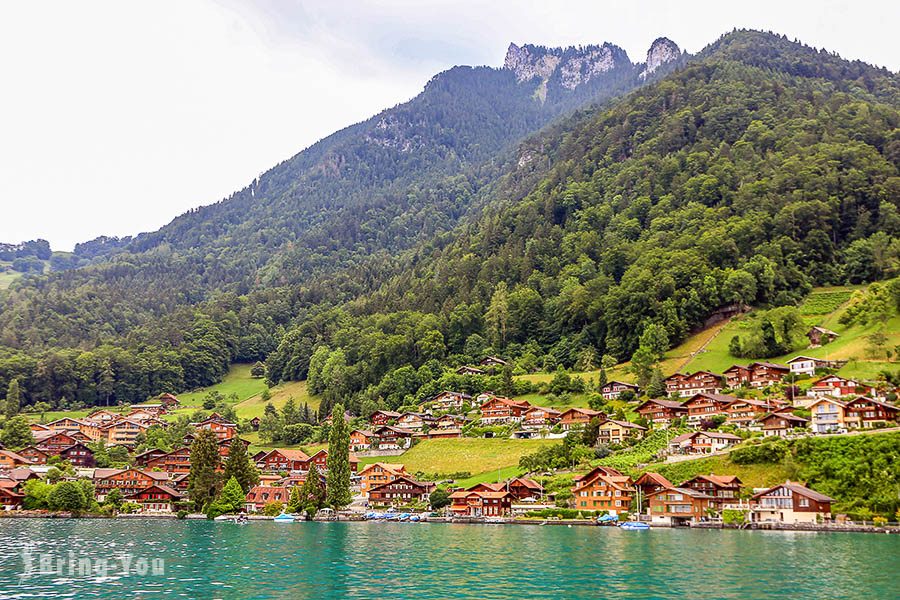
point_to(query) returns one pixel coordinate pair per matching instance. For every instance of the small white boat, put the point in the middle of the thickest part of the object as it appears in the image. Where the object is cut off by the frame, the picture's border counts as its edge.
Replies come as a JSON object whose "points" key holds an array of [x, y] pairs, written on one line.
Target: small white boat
{"points": [[634, 525], [284, 518]]}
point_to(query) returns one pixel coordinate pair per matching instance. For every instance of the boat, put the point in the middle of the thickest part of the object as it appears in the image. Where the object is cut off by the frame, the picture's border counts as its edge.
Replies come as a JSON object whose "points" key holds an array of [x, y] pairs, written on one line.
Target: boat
{"points": [[607, 519], [284, 518], [634, 525]]}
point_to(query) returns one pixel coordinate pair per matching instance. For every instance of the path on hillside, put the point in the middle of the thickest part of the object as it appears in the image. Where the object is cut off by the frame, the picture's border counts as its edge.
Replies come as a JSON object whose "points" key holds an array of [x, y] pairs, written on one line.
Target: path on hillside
{"points": [[693, 354]]}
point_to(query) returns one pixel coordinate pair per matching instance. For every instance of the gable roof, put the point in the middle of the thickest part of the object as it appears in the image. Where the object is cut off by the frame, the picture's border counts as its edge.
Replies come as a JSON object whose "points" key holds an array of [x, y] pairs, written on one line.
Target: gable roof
{"points": [[289, 454], [719, 480], [798, 489], [626, 424], [653, 478], [16, 457], [685, 491], [664, 403]]}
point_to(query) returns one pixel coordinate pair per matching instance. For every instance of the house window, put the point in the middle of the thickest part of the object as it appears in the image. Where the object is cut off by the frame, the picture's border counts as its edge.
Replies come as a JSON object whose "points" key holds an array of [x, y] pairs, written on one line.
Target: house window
{"points": [[804, 503]]}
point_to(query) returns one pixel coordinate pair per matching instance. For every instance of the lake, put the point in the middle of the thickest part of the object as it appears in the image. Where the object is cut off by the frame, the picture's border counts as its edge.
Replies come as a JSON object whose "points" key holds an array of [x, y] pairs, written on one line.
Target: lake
{"points": [[404, 560]]}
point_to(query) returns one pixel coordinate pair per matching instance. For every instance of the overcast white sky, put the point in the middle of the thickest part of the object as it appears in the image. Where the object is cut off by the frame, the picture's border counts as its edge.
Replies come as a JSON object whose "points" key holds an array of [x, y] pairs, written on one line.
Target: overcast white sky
{"points": [[117, 116]]}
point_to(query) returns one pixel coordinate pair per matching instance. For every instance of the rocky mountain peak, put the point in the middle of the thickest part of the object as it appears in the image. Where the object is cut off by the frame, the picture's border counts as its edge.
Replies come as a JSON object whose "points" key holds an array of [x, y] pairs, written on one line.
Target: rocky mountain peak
{"points": [[662, 51], [573, 65]]}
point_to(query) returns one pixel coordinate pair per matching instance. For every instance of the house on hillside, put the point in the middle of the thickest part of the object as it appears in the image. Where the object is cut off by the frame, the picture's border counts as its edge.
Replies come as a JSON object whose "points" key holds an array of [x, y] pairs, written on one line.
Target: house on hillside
{"points": [[612, 431], [807, 365], [746, 412], [781, 423], [415, 421], [177, 461], [790, 503], [218, 425], [78, 455], [466, 370], [578, 417], [361, 440], [448, 400], [661, 412], [701, 407], [819, 336], [377, 474], [283, 460], [10, 460], [393, 438], [613, 389], [702, 442], [755, 375], [499, 410], [836, 386], [828, 416], [863, 412], [35, 455], [539, 417], [383, 417], [699, 382], [492, 361]]}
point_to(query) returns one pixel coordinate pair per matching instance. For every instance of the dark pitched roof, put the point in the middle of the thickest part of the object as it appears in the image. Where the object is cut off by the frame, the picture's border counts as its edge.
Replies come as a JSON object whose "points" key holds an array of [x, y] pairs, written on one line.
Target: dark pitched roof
{"points": [[797, 489]]}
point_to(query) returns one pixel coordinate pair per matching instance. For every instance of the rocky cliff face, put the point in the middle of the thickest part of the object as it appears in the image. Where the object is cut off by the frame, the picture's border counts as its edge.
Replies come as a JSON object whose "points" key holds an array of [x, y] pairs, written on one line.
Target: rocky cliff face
{"points": [[662, 51], [571, 66]]}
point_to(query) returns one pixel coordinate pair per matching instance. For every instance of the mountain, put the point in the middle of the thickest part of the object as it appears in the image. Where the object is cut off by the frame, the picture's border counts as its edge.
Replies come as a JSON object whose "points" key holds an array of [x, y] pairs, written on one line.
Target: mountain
{"points": [[499, 211]]}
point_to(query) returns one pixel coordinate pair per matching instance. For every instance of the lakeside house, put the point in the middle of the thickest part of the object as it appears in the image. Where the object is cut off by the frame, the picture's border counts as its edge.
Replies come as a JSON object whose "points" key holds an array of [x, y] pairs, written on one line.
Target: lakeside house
{"points": [[678, 506], [473, 503], [700, 382], [128, 481], [377, 474], [158, 498], [399, 491], [260, 495], [723, 489], [604, 488], [790, 503]]}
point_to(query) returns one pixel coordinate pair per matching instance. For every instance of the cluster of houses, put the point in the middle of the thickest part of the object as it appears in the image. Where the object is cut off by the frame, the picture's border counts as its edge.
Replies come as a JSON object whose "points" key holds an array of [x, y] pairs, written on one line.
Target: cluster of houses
{"points": [[698, 499]]}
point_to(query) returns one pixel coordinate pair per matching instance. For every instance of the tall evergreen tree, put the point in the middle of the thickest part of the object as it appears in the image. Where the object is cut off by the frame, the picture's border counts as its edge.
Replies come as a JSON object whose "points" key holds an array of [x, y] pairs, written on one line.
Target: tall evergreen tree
{"points": [[203, 481], [13, 399], [311, 496], [338, 482], [657, 386], [239, 466]]}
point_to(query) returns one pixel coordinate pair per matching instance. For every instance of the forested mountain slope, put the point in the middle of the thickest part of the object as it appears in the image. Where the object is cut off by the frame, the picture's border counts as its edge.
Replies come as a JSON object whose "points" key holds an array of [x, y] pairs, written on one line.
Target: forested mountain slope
{"points": [[759, 168]]}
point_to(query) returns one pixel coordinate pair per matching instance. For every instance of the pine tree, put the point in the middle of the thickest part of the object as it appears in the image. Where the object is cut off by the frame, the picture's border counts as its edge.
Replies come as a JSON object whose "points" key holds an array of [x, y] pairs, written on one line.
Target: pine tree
{"points": [[203, 481], [312, 493], [232, 497], [239, 466], [338, 485], [507, 387], [657, 386], [289, 413], [13, 399]]}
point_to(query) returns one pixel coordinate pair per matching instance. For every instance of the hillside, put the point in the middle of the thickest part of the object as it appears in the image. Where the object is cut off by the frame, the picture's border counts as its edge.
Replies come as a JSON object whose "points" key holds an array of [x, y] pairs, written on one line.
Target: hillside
{"points": [[757, 170]]}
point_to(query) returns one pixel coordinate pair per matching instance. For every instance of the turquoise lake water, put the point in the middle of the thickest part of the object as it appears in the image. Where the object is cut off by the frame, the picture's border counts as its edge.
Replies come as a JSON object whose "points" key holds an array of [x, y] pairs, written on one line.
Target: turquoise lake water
{"points": [[404, 560]]}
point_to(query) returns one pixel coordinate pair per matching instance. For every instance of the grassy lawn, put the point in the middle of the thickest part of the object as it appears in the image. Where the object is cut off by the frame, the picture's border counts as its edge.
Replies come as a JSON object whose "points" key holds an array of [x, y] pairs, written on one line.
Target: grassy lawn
{"points": [[237, 381], [7, 277], [254, 406], [753, 476], [475, 455]]}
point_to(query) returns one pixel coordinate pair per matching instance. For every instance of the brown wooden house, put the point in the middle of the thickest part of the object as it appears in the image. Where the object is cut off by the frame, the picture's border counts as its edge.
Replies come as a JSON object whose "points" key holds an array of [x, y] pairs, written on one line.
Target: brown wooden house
{"points": [[399, 491], [661, 412], [790, 503]]}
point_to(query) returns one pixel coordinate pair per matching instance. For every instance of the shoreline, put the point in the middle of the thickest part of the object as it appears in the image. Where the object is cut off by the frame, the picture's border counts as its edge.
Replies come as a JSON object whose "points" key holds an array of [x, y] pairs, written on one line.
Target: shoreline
{"points": [[767, 526]]}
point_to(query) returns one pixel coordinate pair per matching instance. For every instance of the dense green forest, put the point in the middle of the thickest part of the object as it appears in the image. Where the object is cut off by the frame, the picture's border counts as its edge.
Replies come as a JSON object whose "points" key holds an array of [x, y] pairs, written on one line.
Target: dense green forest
{"points": [[423, 238]]}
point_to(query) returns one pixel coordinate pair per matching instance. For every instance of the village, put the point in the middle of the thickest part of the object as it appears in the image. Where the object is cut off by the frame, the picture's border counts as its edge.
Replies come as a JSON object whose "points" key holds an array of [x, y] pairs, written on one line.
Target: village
{"points": [[706, 413]]}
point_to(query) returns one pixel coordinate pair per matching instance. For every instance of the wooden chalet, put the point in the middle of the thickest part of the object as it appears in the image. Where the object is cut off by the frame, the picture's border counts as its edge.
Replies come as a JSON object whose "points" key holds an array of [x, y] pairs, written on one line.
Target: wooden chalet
{"points": [[127, 481], [828, 415], [466, 370], [819, 336], [612, 431], [746, 412], [10, 496], [437, 434], [469, 503], [686, 385], [613, 389], [390, 437], [158, 498], [218, 425], [383, 417], [539, 417], [447, 400], [755, 375], [679, 506], [361, 440], [38, 427], [177, 461], [400, 491], [492, 361], [578, 417], [283, 460], [35, 455], [863, 412], [781, 423], [604, 488], [55, 441], [701, 442], [724, 489], [651, 482], [661, 412], [519, 488], [260, 495], [123, 432], [451, 421], [415, 421], [377, 474], [78, 455], [499, 410], [701, 407], [64, 424], [225, 445], [10, 460], [790, 503]]}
